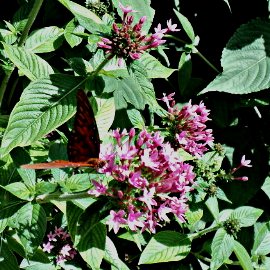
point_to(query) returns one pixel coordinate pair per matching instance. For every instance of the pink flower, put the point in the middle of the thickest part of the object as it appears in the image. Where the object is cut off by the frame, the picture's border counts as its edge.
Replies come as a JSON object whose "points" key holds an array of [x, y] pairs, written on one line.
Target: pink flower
{"points": [[65, 250], [133, 220], [100, 189], [172, 27], [116, 220], [126, 9], [47, 247], [245, 162], [51, 236], [147, 198]]}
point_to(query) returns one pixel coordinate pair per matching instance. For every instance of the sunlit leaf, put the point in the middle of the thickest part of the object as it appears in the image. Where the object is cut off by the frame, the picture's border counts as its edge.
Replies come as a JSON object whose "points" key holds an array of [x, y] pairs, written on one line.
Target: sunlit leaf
{"points": [[245, 61], [30, 64], [222, 247], [45, 40], [44, 105], [166, 246]]}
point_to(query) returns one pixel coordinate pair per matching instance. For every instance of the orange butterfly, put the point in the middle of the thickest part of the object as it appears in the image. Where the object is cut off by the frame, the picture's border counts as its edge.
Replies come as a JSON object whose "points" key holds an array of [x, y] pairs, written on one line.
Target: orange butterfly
{"points": [[84, 142]]}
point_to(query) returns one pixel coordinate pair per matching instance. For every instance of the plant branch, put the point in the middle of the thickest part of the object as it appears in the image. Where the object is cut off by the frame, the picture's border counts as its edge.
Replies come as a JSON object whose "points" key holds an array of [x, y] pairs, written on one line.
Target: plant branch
{"points": [[45, 198]]}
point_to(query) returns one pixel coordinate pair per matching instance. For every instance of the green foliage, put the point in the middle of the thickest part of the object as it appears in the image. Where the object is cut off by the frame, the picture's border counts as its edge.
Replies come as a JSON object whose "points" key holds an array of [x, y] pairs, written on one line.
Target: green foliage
{"points": [[50, 50]]}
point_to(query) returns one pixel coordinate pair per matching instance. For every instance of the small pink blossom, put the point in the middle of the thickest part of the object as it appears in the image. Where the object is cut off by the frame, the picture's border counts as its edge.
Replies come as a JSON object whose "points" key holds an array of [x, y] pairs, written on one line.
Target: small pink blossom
{"points": [[245, 162], [48, 247], [100, 189], [116, 220], [172, 27]]}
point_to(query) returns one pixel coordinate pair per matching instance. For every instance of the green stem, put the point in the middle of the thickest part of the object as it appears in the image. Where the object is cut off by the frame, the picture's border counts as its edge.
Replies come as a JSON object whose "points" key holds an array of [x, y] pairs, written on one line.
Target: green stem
{"points": [[44, 198], [4, 84], [205, 231], [32, 16], [196, 51]]}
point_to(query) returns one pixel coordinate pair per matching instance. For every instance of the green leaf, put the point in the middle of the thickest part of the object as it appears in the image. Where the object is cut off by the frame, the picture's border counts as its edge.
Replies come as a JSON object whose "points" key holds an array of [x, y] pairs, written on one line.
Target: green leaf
{"points": [[242, 256], [245, 61], [146, 88], [7, 258], [44, 105], [246, 215], [111, 255], [72, 28], [142, 8], [166, 246], [73, 213], [6, 213], [222, 196], [19, 190], [45, 40], [30, 64], [28, 177], [105, 115], [39, 261], [91, 234], [266, 186], [128, 91], [31, 225], [136, 118], [261, 246], [154, 68], [78, 182], [92, 244], [186, 25], [85, 17], [212, 205], [184, 72], [222, 247]]}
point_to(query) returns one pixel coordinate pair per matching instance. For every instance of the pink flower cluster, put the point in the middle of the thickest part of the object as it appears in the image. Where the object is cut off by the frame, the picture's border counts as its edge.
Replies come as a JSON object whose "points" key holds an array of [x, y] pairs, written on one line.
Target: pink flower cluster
{"points": [[59, 245], [127, 41], [188, 126], [149, 180]]}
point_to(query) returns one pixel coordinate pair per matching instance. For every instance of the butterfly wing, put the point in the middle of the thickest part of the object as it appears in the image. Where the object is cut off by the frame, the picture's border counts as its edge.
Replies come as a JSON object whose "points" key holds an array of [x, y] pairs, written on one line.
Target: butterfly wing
{"points": [[84, 142]]}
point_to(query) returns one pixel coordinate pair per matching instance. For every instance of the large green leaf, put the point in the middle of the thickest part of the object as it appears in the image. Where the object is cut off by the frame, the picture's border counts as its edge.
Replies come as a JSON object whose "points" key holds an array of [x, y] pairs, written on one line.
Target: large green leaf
{"points": [[186, 25], [45, 40], [145, 87], [44, 105], [166, 246], [31, 225], [30, 64], [222, 247], [243, 256], [19, 190], [85, 17], [111, 256], [7, 258], [246, 215], [245, 61], [92, 245], [142, 8], [128, 91], [70, 33], [261, 244], [105, 115], [154, 68], [266, 186]]}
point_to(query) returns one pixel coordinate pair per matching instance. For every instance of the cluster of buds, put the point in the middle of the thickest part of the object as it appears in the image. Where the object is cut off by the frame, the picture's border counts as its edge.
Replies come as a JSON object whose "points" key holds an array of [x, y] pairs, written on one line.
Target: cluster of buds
{"points": [[59, 245], [149, 180], [127, 41], [187, 126]]}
